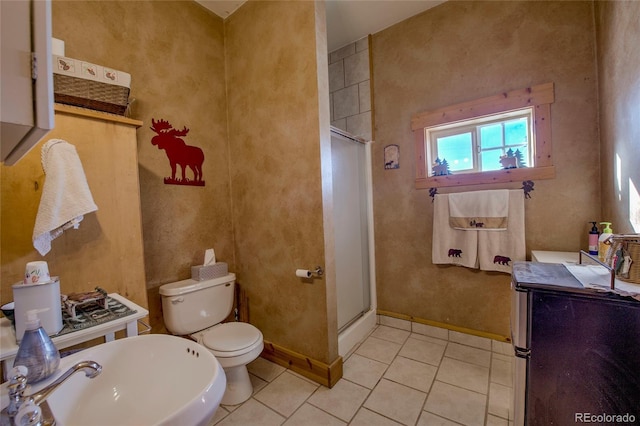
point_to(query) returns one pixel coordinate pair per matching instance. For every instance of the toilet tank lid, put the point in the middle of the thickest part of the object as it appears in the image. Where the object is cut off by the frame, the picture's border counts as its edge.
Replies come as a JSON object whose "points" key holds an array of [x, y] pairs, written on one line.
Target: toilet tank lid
{"points": [[187, 286]]}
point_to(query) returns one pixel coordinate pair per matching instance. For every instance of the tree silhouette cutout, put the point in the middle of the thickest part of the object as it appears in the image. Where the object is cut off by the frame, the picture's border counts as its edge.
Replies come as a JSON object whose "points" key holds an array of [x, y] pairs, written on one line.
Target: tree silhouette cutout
{"points": [[520, 159], [441, 167]]}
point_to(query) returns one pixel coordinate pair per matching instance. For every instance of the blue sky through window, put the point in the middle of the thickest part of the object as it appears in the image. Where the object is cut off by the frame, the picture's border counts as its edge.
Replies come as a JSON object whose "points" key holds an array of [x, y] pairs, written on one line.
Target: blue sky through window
{"points": [[457, 150]]}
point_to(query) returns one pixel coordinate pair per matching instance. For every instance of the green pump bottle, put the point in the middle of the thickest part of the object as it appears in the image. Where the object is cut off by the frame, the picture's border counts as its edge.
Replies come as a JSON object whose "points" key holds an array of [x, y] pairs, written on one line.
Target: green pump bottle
{"points": [[603, 245]]}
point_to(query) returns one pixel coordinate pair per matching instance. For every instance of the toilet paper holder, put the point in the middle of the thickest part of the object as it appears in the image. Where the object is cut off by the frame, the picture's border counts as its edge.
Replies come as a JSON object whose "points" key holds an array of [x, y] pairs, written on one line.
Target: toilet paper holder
{"points": [[310, 273]]}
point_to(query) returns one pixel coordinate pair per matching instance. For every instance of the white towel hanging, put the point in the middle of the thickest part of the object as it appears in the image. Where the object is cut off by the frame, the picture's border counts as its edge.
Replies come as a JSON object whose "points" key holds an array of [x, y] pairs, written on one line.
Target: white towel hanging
{"points": [[451, 246], [498, 250], [473, 248], [66, 197]]}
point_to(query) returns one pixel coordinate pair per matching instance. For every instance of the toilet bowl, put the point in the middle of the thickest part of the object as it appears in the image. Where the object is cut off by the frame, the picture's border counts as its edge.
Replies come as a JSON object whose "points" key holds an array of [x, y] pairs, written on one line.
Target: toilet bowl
{"points": [[196, 308], [234, 344]]}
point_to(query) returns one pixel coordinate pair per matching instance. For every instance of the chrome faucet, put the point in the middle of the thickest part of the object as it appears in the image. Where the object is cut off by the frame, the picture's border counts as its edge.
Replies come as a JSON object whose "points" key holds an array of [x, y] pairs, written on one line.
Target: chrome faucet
{"points": [[91, 369], [30, 404]]}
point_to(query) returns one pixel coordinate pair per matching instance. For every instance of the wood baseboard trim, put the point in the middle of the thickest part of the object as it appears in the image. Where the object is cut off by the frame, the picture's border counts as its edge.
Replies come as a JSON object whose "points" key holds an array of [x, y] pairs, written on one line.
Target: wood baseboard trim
{"points": [[325, 374], [465, 330]]}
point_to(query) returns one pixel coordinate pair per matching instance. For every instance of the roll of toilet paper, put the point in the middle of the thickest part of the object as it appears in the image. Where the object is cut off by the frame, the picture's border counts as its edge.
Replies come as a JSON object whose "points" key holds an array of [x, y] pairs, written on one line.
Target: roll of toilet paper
{"points": [[37, 273], [303, 273], [57, 46]]}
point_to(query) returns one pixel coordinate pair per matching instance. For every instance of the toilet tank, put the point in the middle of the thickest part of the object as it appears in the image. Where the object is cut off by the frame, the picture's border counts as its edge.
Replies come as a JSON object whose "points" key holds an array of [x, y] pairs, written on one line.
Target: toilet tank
{"points": [[189, 306]]}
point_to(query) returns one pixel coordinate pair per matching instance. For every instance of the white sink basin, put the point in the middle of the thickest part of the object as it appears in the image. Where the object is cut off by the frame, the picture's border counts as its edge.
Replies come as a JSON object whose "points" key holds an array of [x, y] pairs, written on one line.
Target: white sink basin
{"points": [[153, 379]]}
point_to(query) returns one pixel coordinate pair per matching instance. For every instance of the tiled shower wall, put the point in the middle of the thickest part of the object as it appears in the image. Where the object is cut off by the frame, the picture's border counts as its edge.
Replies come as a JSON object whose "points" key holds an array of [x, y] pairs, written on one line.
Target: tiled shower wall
{"points": [[349, 88]]}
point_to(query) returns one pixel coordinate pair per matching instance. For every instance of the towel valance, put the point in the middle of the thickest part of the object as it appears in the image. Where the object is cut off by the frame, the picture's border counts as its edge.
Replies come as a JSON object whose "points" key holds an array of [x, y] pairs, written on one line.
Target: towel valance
{"points": [[479, 210]]}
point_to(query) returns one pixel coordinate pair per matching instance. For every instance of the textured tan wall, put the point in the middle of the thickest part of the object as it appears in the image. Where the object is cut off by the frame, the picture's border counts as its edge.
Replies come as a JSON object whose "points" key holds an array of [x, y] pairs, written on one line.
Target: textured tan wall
{"points": [[107, 248], [618, 35], [461, 51], [275, 155], [174, 51]]}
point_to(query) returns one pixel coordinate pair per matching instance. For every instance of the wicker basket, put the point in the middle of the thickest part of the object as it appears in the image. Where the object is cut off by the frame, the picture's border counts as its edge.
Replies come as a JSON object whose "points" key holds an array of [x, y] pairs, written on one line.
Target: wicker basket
{"points": [[633, 250], [630, 246], [90, 94]]}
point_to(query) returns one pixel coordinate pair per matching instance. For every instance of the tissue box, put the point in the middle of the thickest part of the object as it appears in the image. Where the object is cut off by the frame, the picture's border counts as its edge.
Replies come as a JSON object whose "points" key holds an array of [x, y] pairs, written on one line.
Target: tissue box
{"points": [[208, 272], [89, 85]]}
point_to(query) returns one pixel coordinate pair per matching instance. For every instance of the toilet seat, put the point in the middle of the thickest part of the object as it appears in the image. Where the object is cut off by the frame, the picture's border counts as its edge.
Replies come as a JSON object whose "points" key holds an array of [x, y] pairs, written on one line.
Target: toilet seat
{"points": [[232, 339]]}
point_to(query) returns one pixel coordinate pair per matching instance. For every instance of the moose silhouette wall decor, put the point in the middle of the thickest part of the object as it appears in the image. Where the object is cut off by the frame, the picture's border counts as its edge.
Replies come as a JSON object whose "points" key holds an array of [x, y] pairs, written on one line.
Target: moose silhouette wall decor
{"points": [[391, 157], [178, 153]]}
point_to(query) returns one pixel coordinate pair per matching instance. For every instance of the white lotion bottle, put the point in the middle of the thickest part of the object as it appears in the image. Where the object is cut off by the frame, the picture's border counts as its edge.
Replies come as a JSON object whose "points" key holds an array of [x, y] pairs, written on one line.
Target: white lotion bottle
{"points": [[36, 351]]}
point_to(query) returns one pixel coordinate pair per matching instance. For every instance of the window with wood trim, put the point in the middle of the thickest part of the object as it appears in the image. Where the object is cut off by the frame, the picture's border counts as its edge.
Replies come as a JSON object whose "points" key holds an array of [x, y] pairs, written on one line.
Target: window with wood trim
{"points": [[518, 123]]}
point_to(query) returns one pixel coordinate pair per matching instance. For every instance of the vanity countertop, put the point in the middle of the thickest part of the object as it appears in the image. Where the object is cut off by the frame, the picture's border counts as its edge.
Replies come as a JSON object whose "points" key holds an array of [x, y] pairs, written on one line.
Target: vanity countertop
{"points": [[588, 280]]}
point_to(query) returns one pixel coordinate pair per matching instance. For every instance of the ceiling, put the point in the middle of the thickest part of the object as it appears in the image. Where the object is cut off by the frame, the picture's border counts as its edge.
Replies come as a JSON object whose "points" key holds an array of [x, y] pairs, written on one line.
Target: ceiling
{"points": [[347, 20]]}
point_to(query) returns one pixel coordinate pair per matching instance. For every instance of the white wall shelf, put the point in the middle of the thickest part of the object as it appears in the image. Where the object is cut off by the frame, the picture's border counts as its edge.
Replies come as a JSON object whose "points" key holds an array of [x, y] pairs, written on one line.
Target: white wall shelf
{"points": [[107, 330]]}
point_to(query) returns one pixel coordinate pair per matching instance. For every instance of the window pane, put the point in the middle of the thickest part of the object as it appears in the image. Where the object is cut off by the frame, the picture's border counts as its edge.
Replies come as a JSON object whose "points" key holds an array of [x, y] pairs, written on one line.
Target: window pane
{"points": [[491, 136], [457, 150], [491, 160], [515, 131], [476, 145]]}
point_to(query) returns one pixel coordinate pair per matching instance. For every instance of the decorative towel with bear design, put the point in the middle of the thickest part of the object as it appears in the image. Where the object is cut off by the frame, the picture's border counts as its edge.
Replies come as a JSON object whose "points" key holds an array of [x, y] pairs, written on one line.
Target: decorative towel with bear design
{"points": [[490, 249]]}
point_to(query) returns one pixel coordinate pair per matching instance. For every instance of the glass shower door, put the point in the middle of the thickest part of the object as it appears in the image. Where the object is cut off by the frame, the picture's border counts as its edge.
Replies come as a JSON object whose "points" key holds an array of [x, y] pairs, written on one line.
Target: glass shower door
{"points": [[351, 228]]}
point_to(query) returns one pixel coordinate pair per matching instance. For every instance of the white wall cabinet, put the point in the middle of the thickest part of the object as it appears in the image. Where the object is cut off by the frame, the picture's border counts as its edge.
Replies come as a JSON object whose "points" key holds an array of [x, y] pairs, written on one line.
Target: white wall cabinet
{"points": [[26, 76]]}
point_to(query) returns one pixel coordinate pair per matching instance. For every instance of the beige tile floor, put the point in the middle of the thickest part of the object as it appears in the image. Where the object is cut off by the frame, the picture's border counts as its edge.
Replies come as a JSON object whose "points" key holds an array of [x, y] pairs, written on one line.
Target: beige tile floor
{"points": [[403, 373]]}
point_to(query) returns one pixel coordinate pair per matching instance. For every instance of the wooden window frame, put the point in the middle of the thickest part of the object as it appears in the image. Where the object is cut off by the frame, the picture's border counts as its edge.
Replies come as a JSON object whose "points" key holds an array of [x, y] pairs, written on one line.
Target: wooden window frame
{"points": [[539, 97]]}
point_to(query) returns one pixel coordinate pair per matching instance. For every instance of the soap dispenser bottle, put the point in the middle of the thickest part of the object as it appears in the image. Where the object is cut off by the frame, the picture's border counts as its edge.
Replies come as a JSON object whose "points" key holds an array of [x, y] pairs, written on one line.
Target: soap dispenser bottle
{"points": [[603, 246], [593, 239], [36, 351]]}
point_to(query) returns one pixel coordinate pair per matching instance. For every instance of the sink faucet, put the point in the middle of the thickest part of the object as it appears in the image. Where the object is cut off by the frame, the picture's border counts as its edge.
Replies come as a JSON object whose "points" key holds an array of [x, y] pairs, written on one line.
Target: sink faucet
{"points": [[91, 369], [30, 404]]}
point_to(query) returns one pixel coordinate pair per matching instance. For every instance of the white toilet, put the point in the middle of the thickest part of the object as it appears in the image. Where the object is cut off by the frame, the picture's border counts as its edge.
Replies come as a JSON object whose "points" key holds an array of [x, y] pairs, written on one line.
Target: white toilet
{"points": [[196, 308]]}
